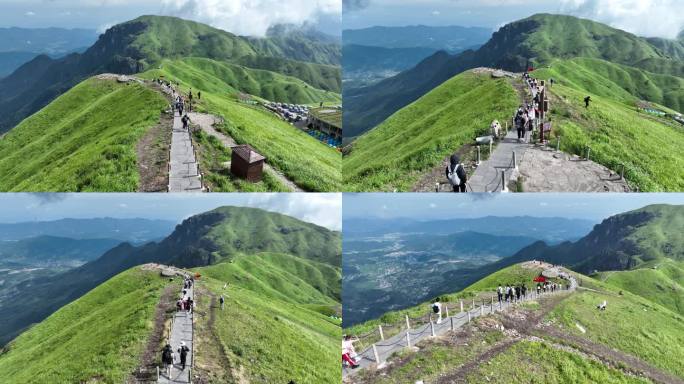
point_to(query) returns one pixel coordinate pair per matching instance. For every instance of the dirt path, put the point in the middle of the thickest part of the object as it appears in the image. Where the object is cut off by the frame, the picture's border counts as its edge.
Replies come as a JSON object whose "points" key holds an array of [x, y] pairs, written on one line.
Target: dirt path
{"points": [[206, 123]]}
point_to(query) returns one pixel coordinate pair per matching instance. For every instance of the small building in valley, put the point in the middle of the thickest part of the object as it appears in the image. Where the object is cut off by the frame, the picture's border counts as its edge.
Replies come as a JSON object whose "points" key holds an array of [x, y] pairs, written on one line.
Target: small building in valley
{"points": [[247, 163]]}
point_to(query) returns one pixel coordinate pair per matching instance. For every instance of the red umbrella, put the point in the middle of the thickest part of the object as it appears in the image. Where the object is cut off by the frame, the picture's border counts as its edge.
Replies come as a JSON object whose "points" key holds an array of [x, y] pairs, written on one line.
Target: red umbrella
{"points": [[540, 279]]}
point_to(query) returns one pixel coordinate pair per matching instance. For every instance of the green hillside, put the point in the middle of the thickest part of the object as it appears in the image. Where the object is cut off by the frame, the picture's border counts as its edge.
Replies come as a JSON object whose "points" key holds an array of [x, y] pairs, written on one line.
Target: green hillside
{"points": [[417, 138], [102, 335], [303, 159], [536, 41], [661, 283], [269, 331], [84, 141], [543, 341]]}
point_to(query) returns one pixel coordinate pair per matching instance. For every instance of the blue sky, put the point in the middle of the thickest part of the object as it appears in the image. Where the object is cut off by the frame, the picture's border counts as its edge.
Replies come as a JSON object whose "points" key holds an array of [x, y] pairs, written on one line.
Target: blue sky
{"points": [[321, 208], [591, 206], [244, 17], [664, 18]]}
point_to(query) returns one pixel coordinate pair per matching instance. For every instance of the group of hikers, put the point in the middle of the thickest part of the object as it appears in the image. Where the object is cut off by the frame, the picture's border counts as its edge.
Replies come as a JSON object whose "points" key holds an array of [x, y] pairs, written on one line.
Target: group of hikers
{"points": [[511, 292], [184, 303], [550, 287]]}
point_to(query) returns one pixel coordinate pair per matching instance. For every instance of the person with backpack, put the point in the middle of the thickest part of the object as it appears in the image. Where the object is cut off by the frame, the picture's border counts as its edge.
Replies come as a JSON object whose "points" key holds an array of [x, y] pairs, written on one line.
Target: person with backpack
{"points": [[437, 310], [586, 101], [186, 124], [179, 305], [167, 359], [190, 303], [222, 300], [183, 352], [499, 293], [518, 292], [456, 174], [524, 291]]}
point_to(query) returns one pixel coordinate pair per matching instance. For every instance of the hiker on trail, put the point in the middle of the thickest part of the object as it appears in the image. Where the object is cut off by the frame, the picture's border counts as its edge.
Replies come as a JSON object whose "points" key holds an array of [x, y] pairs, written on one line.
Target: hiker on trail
{"points": [[508, 292], [456, 174], [348, 351], [518, 292], [586, 101], [551, 81], [186, 121], [524, 291], [167, 359], [437, 310], [222, 301], [189, 304], [199, 95], [183, 351], [520, 124], [190, 95], [538, 288], [531, 116], [495, 128], [499, 293], [179, 305]]}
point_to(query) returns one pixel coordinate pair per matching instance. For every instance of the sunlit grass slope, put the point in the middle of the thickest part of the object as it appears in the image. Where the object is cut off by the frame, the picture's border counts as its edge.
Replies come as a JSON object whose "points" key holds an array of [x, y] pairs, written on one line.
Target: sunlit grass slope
{"points": [[97, 337], [310, 164], [396, 153], [83, 141], [617, 133]]}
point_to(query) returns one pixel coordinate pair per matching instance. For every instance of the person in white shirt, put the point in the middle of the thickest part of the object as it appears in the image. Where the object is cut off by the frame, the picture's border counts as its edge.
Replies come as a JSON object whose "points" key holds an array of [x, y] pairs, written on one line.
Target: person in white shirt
{"points": [[437, 309]]}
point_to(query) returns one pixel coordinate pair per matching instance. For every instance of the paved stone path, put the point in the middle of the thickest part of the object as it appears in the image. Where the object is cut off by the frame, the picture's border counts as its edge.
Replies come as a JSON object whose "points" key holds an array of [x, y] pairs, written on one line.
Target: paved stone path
{"points": [[487, 176], [184, 173], [181, 330], [387, 347], [543, 170], [206, 123]]}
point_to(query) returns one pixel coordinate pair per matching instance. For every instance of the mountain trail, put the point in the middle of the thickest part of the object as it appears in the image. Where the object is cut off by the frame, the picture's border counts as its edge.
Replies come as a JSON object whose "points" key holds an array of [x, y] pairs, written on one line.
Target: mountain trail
{"points": [[206, 123]]}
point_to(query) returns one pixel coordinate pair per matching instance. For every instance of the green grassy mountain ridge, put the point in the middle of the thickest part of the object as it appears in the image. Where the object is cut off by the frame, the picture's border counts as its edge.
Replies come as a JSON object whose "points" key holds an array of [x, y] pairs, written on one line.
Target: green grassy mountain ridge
{"points": [[201, 240], [534, 41], [133, 47]]}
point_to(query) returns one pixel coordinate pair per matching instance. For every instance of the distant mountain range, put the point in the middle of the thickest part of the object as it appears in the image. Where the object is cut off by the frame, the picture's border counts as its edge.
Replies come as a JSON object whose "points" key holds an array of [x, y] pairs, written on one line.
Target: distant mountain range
{"points": [[549, 229], [532, 42], [129, 230], [447, 38]]}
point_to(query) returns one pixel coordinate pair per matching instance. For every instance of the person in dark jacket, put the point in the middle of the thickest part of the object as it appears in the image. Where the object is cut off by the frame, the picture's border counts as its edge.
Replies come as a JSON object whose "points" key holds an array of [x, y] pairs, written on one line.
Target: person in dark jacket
{"points": [[586, 101], [183, 351], [167, 359], [456, 174]]}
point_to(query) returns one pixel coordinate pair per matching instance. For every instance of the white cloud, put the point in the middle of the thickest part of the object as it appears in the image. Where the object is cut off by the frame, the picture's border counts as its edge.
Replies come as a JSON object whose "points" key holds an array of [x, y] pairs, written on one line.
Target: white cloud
{"points": [[324, 209], [251, 17], [123, 205], [433, 205], [436, 13], [30, 13], [103, 28], [663, 18]]}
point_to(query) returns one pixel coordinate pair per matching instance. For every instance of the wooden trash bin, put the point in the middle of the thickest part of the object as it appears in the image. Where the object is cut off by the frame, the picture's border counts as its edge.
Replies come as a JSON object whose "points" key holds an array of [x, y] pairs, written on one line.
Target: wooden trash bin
{"points": [[246, 163]]}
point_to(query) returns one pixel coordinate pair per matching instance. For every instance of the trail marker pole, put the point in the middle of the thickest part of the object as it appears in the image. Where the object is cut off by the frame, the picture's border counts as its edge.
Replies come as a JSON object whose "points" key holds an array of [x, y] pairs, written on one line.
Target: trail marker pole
{"points": [[375, 353], [473, 303], [469, 316], [432, 329], [461, 305], [558, 144], [490, 147], [436, 187], [408, 325], [446, 308], [452, 324], [482, 310], [382, 336], [515, 161], [504, 187], [622, 171], [408, 339], [478, 155], [588, 152], [157, 373]]}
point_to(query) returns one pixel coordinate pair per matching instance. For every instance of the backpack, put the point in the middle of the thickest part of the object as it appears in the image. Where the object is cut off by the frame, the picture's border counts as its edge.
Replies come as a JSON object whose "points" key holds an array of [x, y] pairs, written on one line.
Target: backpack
{"points": [[452, 175], [166, 355], [435, 308]]}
